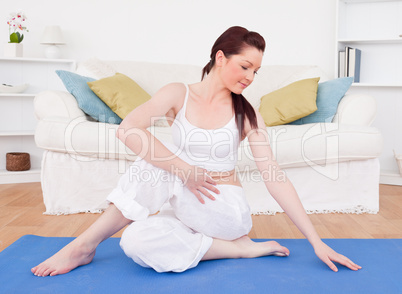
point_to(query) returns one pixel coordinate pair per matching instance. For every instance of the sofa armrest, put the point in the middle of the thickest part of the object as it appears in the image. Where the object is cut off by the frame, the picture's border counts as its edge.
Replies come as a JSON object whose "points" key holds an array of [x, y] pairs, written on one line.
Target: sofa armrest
{"points": [[56, 104], [356, 109]]}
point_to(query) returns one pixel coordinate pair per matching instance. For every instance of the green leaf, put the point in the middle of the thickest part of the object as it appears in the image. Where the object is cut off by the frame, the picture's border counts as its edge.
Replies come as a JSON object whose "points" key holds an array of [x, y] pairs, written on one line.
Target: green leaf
{"points": [[16, 37], [13, 38]]}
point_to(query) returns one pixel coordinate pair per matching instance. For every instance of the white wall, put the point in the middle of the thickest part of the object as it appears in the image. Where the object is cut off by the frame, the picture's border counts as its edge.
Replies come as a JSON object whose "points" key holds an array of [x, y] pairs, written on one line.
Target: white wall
{"points": [[179, 31]]}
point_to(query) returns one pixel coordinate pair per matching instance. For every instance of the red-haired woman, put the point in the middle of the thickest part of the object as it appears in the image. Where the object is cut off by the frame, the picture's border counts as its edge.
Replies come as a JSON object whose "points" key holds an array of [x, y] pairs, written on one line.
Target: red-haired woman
{"points": [[203, 213]]}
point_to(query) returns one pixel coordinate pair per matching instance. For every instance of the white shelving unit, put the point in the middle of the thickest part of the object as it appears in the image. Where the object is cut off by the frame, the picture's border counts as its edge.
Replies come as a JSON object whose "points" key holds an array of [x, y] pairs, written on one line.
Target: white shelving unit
{"points": [[17, 119], [375, 27]]}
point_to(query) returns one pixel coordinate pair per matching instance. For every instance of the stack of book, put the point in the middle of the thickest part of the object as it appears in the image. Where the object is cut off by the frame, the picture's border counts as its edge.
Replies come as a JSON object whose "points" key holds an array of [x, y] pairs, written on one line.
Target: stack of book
{"points": [[349, 63]]}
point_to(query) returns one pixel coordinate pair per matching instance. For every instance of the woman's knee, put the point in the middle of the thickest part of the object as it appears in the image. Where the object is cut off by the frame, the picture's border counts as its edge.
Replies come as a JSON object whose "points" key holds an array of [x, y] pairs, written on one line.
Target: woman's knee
{"points": [[139, 237], [130, 240]]}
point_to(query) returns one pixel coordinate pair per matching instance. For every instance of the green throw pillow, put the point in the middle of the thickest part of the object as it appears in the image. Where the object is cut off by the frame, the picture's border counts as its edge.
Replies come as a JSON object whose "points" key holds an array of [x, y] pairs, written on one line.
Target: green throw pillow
{"points": [[289, 103], [120, 93]]}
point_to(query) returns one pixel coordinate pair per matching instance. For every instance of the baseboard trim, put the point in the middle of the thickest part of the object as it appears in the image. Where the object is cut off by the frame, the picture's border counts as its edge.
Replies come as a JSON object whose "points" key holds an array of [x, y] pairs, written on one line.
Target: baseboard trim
{"points": [[390, 178], [29, 176]]}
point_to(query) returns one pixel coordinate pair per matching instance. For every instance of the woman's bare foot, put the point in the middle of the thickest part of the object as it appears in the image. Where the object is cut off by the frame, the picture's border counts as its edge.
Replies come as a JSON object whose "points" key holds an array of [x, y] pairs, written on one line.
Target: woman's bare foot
{"points": [[82, 249], [68, 258], [251, 249], [243, 247]]}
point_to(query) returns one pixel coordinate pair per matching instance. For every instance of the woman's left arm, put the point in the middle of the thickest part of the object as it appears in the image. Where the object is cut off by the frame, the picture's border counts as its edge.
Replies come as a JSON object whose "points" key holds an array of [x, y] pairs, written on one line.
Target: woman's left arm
{"points": [[285, 194]]}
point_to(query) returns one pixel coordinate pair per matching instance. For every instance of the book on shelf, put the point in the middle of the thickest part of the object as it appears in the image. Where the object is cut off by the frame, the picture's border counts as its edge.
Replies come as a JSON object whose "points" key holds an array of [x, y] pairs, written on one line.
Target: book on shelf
{"points": [[341, 64], [354, 64], [349, 63]]}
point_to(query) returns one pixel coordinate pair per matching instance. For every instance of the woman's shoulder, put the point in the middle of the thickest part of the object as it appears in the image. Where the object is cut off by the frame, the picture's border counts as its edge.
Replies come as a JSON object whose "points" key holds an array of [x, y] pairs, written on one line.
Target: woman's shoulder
{"points": [[171, 96], [173, 89]]}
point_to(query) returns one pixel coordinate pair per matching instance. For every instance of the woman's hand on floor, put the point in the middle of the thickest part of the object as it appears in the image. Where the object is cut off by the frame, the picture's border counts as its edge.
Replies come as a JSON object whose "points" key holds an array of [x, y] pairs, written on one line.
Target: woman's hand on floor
{"points": [[328, 255], [197, 180]]}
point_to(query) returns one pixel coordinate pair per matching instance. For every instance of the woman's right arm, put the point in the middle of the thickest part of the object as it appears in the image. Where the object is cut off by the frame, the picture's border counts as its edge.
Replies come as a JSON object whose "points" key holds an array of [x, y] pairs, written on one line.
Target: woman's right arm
{"points": [[134, 134]]}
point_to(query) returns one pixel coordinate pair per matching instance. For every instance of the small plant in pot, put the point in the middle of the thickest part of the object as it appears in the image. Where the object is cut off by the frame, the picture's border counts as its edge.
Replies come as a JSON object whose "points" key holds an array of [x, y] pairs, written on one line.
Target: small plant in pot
{"points": [[15, 28]]}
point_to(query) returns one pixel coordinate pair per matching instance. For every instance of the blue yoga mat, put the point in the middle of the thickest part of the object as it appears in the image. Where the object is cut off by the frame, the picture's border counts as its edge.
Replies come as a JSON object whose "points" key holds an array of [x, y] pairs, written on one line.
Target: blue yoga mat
{"points": [[302, 272]]}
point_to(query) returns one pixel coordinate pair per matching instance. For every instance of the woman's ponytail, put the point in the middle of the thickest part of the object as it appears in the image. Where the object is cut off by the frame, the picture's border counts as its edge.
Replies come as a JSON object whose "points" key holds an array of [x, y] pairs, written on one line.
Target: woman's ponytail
{"points": [[207, 68], [243, 108]]}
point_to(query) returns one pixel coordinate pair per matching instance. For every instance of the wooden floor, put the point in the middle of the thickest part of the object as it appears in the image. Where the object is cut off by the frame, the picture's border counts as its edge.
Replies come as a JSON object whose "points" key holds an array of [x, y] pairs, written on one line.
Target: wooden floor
{"points": [[21, 213]]}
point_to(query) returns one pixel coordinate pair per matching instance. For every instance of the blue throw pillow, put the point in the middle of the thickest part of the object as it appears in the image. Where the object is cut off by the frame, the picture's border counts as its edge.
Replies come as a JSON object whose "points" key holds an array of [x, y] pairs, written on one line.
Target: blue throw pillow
{"points": [[87, 100], [328, 96]]}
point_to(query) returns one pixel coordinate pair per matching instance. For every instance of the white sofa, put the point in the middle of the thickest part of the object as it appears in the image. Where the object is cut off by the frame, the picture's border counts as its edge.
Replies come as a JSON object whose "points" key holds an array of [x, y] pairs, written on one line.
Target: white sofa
{"points": [[334, 166]]}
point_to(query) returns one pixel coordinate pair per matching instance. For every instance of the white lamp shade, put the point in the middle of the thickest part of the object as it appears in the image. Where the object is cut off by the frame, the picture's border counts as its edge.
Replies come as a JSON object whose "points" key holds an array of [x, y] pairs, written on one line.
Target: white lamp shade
{"points": [[52, 35]]}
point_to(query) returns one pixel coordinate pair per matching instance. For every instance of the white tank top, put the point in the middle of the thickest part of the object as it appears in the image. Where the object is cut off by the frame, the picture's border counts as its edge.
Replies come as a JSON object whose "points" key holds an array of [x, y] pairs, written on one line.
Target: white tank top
{"points": [[214, 150]]}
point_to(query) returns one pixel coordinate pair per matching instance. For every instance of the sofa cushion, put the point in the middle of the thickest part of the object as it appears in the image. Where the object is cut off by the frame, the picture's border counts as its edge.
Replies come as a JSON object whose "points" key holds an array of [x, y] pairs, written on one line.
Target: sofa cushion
{"points": [[87, 100], [328, 96], [293, 146], [356, 109], [95, 68], [120, 93], [316, 144], [289, 103]]}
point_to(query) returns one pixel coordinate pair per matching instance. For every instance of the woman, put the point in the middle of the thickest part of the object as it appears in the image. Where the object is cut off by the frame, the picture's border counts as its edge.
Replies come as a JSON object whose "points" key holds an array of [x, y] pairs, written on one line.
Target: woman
{"points": [[208, 120]]}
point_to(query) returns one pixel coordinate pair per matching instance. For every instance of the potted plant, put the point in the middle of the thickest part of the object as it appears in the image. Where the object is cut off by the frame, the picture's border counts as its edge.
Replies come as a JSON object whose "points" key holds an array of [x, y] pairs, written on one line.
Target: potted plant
{"points": [[15, 28]]}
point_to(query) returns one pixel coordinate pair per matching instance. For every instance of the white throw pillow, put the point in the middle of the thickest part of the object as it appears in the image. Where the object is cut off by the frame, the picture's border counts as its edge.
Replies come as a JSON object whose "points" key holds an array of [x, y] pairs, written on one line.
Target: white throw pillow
{"points": [[95, 68]]}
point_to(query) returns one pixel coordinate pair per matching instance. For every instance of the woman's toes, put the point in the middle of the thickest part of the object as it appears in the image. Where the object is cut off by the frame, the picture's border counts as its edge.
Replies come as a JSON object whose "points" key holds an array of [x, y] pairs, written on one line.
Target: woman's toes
{"points": [[38, 272], [284, 251], [42, 270], [281, 254], [277, 249]]}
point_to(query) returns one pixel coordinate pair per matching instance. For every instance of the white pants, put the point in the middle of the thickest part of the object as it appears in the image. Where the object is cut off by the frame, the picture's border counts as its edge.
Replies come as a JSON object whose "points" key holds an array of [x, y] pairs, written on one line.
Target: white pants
{"points": [[178, 237]]}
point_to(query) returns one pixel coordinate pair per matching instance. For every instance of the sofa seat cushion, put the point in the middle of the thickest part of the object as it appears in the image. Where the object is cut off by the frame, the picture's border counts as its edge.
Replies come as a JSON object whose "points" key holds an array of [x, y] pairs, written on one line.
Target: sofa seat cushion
{"points": [[293, 146], [87, 138], [316, 144]]}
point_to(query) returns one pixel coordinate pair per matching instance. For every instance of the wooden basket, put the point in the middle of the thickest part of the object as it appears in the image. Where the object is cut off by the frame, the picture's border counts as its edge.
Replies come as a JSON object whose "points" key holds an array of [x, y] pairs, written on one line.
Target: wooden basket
{"points": [[18, 161]]}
